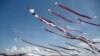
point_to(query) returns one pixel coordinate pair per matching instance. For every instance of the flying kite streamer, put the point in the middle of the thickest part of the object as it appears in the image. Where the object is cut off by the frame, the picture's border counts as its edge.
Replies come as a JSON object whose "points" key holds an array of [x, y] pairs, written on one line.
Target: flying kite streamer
{"points": [[48, 22], [81, 48], [88, 22], [64, 48], [74, 37], [41, 46], [62, 29], [50, 31], [83, 39], [72, 11], [60, 16], [47, 30], [52, 24]]}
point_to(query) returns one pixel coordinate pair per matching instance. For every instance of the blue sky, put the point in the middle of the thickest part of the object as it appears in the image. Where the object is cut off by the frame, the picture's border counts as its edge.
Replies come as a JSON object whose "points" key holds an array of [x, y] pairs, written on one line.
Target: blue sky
{"points": [[16, 22]]}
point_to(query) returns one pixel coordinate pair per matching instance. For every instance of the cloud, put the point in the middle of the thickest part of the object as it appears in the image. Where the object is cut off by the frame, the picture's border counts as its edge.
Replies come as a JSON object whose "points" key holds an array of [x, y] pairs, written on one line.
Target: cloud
{"points": [[27, 49], [23, 49]]}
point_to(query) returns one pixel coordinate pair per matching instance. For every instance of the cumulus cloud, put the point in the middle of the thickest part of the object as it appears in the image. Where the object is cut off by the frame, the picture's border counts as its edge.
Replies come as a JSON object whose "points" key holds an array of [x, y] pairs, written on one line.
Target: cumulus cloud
{"points": [[27, 49]]}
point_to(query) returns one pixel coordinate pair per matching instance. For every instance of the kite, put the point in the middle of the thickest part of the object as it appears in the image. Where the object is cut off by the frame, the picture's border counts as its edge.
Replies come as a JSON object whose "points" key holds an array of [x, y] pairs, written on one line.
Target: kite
{"points": [[48, 22], [47, 30], [81, 38], [83, 21], [60, 16], [44, 20], [62, 29], [72, 11]]}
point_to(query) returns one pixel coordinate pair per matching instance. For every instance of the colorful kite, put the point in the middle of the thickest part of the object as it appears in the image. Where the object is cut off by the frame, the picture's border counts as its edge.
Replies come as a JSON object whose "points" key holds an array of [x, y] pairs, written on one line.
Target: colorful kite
{"points": [[62, 29], [72, 11], [60, 16], [83, 21]]}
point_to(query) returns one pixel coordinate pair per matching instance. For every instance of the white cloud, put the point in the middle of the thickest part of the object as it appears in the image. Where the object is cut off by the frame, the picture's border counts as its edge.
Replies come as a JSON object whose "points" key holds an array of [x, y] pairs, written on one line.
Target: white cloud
{"points": [[26, 49]]}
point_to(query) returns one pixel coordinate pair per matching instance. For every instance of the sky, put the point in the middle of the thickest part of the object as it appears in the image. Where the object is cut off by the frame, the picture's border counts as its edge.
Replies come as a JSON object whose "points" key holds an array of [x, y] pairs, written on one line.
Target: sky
{"points": [[17, 22]]}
